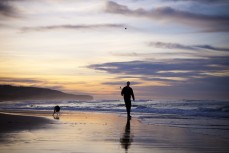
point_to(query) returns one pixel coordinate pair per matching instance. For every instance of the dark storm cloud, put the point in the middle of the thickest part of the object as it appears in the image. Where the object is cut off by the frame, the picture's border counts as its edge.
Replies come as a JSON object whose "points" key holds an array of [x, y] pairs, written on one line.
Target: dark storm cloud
{"points": [[186, 47], [207, 23], [72, 27]]}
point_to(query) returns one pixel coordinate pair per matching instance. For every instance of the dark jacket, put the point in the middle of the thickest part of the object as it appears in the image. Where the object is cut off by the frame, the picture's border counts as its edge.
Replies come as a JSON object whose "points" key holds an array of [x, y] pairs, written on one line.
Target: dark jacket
{"points": [[127, 92]]}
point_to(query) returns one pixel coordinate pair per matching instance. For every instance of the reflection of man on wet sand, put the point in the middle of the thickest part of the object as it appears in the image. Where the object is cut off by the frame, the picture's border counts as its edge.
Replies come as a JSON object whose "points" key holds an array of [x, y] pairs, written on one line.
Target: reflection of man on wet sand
{"points": [[126, 138]]}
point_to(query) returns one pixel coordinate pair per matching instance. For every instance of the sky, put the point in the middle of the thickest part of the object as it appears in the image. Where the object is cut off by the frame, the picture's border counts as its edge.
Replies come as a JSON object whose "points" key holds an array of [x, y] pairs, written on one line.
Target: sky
{"points": [[167, 49]]}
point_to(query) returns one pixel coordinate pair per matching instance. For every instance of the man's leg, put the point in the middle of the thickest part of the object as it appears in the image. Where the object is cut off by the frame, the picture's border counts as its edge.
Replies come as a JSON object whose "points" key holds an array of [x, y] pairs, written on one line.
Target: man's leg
{"points": [[128, 111], [128, 107]]}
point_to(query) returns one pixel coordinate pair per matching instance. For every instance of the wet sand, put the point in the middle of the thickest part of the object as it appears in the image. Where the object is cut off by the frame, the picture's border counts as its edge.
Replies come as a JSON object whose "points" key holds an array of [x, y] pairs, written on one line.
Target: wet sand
{"points": [[86, 132]]}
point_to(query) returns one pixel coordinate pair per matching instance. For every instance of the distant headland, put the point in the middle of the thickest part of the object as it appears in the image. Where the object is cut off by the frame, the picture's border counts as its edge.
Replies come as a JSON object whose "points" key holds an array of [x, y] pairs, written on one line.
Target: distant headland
{"points": [[9, 92]]}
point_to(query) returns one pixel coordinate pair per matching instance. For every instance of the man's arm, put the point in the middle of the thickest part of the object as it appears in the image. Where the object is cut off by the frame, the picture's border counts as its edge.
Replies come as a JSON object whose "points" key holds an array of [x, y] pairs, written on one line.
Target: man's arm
{"points": [[122, 93], [133, 95]]}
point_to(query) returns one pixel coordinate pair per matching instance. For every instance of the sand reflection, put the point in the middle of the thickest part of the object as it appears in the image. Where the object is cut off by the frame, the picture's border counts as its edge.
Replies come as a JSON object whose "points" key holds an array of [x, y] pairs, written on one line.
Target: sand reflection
{"points": [[126, 138], [56, 116]]}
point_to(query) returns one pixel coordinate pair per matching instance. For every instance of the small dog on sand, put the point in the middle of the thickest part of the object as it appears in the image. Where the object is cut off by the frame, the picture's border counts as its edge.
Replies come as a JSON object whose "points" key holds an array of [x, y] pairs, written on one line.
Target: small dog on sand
{"points": [[56, 110]]}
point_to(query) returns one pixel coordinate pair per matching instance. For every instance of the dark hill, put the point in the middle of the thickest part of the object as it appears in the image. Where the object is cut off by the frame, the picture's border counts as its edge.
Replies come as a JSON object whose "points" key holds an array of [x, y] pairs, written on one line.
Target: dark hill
{"points": [[8, 92]]}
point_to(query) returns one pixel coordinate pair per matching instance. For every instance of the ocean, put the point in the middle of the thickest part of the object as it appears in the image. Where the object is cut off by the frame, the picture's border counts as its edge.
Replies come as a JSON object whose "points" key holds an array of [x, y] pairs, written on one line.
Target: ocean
{"points": [[201, 116]]}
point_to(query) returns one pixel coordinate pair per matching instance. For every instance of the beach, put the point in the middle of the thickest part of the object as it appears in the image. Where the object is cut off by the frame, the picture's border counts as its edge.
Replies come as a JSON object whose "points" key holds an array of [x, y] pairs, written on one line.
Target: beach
{"points": [[77, 132]]}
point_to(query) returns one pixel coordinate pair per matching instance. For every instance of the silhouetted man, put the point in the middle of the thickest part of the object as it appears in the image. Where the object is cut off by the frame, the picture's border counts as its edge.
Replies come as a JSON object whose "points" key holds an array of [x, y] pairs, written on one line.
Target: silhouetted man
{"points": [[127, 92]]}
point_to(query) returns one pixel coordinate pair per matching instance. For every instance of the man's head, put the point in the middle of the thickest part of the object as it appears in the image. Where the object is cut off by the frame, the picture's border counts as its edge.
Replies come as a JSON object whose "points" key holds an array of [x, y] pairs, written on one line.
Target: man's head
{"points": [[128, 83]]}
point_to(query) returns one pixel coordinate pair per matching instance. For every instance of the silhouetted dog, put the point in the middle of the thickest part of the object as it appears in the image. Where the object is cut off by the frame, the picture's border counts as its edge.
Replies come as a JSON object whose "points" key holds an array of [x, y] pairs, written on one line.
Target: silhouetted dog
{"points": [[56, 110]]}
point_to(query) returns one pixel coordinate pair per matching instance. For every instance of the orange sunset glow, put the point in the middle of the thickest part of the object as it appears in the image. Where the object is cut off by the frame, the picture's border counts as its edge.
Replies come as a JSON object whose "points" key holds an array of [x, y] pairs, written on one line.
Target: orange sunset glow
{"points": [[165, 49]]}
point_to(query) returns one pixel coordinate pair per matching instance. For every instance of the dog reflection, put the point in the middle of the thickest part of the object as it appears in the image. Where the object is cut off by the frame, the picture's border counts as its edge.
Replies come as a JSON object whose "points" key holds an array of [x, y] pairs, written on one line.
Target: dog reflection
{"points": [[126, 138], [57, 117]]}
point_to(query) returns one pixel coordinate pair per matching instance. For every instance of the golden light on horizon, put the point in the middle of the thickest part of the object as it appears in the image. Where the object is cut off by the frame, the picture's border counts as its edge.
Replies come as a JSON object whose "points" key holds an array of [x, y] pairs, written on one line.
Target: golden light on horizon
{"points": [[93, 47]]}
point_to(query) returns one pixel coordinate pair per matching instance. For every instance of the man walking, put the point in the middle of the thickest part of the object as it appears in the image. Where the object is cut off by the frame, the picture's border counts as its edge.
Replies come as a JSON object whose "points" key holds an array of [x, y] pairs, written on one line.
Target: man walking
{"points": [[127, 92]]}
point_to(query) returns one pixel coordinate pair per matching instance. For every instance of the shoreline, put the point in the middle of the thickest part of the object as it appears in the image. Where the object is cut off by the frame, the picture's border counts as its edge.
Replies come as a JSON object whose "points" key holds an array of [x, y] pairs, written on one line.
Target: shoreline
{"points": [[15, 122], [30, 131]]}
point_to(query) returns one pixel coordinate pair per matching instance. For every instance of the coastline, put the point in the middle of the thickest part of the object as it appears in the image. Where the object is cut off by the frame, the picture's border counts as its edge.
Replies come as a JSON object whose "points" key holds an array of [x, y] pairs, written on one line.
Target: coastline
{"points": [[28, 131], [11, 122]]}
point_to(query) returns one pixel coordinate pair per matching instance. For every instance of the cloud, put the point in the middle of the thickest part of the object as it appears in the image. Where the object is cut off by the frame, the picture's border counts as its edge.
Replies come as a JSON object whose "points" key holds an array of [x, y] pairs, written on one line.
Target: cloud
{"points": [[171, 46], [7, 10], [119, 83], [72, 27], [178, 78], [186, 47], [206, 23], [198, 88], [161, 55], [31, 82], [196, 1], [202, 1], [17, 80], [167, 68], [212, 48], [131, 54]]}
